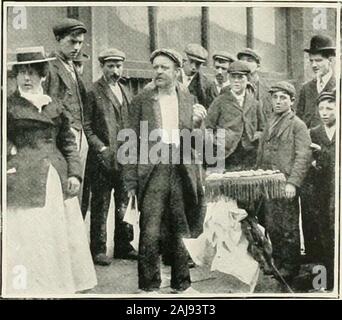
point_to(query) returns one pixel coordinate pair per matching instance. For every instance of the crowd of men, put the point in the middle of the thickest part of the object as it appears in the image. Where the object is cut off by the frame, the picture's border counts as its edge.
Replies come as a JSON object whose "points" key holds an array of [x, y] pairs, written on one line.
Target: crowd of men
{"points": [[266, 127]]}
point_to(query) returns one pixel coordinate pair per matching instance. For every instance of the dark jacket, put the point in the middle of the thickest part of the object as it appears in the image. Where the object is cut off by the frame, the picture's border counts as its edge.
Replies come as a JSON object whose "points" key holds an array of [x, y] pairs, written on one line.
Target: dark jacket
{"points": [[145, 107], [41, 139], [286, 148], [104, 117], [240, 123], [306, 108], [198, 87], [59, 84], [264, 98]]}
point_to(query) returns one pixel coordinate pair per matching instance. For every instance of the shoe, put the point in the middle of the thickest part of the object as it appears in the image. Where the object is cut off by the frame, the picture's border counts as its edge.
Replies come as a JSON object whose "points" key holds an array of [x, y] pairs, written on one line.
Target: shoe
{"points": [[189, 290], [131, 255], [102, 260]]}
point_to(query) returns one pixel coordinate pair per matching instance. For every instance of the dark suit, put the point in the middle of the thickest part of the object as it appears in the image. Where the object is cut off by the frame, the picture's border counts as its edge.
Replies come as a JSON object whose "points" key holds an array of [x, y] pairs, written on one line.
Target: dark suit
{"points": [[104, 117], [212, 93], [319, 218], [59, 84], [285, 146], [240, 123], [264, 98], [306, 108], [42, 139], [168, 195], [199, 87]]}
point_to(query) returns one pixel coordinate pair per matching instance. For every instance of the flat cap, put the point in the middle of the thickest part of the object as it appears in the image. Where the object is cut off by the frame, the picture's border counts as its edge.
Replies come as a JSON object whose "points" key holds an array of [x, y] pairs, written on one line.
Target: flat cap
{"points": [[68, 25], [223, 55], [249, 52], [170, 53], [111, 54], [240, 67], [196, 52], [283, 86], [325, 95]]}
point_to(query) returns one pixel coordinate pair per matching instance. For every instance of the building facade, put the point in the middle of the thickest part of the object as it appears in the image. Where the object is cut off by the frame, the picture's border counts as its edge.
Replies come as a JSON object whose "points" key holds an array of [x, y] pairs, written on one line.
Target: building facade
{"points": [[279, 34]]}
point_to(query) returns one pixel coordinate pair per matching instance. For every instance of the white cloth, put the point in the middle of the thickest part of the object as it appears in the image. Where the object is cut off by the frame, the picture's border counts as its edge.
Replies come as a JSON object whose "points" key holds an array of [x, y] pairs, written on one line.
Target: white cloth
{"points": [[117, 92], [330, 131], [46, 249], [169, 118], [322, 81], [222, 244], [37, 99]]}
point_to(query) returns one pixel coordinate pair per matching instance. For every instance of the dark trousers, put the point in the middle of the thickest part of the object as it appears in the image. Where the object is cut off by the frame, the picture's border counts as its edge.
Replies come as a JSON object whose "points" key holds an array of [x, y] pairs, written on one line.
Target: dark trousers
{"points": [[163, 208], [281, 220], [102, 185]]}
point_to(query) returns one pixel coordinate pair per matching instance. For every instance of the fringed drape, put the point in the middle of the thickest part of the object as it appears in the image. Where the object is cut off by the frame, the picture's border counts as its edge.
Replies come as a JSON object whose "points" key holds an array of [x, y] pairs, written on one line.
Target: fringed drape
{"points": [[245, 187]]}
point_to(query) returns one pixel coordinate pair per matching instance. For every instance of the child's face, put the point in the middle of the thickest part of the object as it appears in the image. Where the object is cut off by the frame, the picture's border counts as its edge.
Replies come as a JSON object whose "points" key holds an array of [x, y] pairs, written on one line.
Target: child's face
{"points": [[327, 112]]}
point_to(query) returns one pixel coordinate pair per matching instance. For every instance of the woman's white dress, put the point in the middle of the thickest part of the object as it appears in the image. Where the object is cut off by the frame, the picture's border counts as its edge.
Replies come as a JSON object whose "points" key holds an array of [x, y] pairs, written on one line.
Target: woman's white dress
{"points": [[46, 251]]}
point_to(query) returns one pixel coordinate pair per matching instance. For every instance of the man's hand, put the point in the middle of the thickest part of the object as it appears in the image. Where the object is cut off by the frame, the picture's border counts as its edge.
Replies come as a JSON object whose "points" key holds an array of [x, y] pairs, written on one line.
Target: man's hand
{"points": [[199, 113], [73, 186], [290, 191], [105, 158]]}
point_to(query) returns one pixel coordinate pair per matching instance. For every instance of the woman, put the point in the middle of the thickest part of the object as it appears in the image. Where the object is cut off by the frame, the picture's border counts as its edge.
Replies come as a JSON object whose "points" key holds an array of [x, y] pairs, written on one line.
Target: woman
{"points": [[47, 249]]}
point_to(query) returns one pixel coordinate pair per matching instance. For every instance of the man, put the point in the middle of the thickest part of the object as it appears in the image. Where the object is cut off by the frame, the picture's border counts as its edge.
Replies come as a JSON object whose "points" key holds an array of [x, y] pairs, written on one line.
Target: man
{"points": [[237, 111], [193, 76], [222, 60], [170, 196], [285, 146], [259, 84], [63, 81], [321, 53], [106, 113], [323, 196]]}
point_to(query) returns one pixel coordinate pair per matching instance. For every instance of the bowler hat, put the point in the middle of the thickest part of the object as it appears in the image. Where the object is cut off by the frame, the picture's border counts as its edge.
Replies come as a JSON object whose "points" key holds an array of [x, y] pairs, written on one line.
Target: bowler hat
{"points": [[223, 55], [30, 55], [251, 53], [326, 95], [170, 53], [283, 86], [68, 25], [320, 43], [240, 67], [111, 54], [196, 52]]}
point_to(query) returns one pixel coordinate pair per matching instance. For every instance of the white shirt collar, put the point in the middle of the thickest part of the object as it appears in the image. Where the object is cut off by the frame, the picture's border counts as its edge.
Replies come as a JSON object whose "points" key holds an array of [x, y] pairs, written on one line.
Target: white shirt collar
{"points": [[37, 99], [240, 98], [330, 131], [325, 79]]}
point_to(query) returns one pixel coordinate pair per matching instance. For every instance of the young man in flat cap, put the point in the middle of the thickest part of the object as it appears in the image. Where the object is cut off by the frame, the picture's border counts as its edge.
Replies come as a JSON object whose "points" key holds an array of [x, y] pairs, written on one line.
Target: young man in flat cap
{"points": [[170, 196], [64, 82], [105, 114], [222, 60], [321, 56], [323, 197], [285, 146], [237, 111], [259, 84], [193, 77]]}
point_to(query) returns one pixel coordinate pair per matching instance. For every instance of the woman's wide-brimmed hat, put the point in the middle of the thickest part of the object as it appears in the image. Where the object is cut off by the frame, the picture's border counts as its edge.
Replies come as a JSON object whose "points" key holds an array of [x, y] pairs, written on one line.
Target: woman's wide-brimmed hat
{"points": [[320, 43], [30, 55]]}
